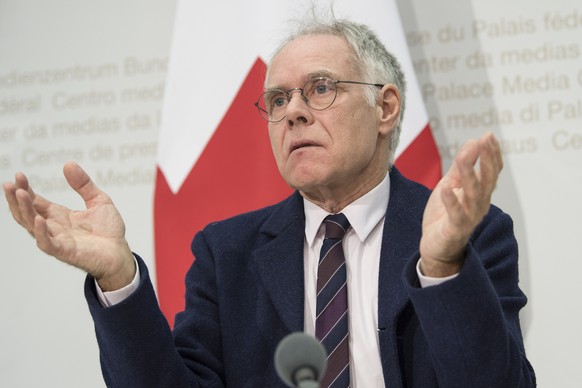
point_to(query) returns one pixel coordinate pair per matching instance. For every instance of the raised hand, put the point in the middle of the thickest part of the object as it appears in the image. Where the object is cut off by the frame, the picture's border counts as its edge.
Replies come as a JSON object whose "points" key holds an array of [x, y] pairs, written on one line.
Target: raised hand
{"points": [[92, 239], [457, 205]]}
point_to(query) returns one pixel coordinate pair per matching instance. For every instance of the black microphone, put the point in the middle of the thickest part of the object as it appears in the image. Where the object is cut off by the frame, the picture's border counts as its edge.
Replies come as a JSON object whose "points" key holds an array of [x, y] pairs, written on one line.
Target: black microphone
{"points": [[300, 360]]}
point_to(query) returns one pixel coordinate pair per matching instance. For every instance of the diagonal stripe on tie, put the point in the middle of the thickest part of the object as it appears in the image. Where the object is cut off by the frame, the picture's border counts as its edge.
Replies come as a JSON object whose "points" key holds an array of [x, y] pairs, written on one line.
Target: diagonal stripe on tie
{"points": [[338, 368], [331, 323]]}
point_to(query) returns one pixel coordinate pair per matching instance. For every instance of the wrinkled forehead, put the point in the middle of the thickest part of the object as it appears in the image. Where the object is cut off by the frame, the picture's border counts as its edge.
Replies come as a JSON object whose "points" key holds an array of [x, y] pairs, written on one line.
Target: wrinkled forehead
{"points": [[311, 56]]}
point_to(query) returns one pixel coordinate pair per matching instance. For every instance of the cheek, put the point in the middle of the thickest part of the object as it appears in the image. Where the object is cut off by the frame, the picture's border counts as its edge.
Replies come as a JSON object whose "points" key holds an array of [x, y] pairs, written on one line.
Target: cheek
{"points": [[358, 134], [276, 138], [358, 148]]}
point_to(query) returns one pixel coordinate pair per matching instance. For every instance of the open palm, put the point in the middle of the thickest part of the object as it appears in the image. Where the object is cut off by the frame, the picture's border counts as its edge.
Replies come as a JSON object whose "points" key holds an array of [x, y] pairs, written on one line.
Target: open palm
{"points": [[458, 204], [91, 239]]}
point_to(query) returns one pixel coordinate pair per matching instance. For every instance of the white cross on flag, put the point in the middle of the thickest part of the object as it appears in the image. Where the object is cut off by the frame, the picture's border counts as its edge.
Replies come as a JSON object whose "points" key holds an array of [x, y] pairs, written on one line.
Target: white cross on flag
{"points": [[215, 158]]}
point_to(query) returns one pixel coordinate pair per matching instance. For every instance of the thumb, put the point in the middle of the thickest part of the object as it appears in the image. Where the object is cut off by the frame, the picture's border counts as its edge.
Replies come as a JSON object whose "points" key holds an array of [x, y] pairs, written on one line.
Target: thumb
{"points": [[81, 182]]}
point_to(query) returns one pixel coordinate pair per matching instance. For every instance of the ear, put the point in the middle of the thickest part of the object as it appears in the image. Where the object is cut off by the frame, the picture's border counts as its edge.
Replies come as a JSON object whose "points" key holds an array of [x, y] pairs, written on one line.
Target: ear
{"points": [[389, 104]]}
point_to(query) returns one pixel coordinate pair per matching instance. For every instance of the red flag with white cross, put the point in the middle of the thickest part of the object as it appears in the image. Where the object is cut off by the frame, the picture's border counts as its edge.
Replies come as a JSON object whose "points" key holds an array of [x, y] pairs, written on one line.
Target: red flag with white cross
{"points": [[215, 159]]}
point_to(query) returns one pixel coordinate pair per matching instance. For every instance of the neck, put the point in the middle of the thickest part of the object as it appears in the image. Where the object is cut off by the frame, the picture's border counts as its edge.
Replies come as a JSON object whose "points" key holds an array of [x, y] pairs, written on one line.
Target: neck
{"points": [[335, 199]]}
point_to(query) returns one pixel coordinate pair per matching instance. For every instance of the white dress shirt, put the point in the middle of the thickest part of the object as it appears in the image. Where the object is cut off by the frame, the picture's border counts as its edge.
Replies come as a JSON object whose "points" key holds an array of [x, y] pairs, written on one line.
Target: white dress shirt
{"points": [[362, 244]]}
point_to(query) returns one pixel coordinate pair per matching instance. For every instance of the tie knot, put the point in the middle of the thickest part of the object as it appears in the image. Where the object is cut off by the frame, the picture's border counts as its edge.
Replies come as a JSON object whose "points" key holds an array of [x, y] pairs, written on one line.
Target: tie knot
{"points": [[336, 226]]}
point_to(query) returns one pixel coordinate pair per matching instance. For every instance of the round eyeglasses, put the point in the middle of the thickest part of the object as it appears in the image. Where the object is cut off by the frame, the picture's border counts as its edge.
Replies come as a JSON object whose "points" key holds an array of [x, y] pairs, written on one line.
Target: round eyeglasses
{"points": [[318, 93]]}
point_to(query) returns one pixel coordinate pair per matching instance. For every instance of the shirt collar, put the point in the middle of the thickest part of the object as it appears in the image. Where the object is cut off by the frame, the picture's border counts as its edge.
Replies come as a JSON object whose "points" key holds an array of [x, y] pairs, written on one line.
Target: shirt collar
{"points": [[364, 213]]}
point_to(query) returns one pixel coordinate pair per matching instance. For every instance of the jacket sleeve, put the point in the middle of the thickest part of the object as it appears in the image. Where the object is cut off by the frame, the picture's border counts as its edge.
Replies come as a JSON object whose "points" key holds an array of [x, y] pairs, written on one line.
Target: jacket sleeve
{"points": [[471, 322], [137, 348]]}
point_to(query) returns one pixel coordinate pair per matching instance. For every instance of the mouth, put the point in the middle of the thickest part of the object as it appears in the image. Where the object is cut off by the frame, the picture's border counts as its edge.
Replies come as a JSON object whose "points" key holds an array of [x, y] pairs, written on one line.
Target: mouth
{"points": [[301, 144]]}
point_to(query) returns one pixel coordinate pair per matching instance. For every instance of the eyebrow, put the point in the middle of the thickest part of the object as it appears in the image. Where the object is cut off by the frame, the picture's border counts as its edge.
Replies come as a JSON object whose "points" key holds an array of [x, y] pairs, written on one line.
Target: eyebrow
{"points": [[320, 73], [309, 76]]}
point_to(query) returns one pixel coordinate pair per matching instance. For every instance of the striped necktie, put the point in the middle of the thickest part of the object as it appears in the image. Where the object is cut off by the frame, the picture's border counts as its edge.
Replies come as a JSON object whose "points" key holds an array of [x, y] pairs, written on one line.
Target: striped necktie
{"points": [[331, 323]]}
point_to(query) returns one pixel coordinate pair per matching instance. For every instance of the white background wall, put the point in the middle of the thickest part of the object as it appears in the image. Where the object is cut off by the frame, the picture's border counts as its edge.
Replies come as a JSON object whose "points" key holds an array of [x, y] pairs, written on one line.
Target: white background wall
{"points": [[514, 68]]}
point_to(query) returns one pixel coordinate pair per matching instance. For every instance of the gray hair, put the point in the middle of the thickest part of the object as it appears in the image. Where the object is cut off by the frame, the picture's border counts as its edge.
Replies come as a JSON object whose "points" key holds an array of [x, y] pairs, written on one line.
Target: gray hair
{"points": [[373, 62]]}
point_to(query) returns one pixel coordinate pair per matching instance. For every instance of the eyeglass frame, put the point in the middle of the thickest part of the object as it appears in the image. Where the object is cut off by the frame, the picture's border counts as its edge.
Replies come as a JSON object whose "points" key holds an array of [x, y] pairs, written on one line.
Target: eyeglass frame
{"points": [[288, 95]]}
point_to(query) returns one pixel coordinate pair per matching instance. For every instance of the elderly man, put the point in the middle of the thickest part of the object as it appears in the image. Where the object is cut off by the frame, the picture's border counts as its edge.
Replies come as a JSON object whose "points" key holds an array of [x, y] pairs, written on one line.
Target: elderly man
{"points": [[412, 289]]}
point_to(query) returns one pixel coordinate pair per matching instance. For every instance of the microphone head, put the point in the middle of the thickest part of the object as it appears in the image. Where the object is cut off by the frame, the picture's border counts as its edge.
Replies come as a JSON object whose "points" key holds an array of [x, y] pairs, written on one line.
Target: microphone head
{"points": [[300, 352]]}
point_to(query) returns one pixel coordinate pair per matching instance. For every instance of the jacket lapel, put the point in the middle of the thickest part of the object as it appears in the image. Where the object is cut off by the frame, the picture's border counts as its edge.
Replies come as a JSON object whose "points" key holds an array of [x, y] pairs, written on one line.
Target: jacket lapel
{"points": [[279, 261], [400, 242]]}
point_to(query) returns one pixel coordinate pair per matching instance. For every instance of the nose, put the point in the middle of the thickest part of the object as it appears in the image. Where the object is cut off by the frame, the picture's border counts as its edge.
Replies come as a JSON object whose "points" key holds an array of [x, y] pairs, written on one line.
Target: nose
{"points": [[297, 110]]}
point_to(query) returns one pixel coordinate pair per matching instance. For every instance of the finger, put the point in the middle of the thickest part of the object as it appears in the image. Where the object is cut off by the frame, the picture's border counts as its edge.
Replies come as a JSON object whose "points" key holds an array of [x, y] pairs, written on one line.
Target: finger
{"points": [[80, 181], [452, 174], [497, 152], [491, 162], [469, 153], [20, 182], [26, 211], [39, 203], [455, 211], [466, 156], [43, 239], [10, 194], [469, 180]]}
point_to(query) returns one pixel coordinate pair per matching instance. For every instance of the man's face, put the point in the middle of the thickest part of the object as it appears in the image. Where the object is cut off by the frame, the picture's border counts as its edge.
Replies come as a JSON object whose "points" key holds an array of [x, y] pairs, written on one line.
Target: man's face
{"points": [[337, 151]]}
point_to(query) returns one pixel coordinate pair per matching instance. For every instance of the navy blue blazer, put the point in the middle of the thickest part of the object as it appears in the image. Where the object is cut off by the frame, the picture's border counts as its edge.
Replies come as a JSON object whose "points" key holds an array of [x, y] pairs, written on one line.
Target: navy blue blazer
{"points": [[245, 292]]}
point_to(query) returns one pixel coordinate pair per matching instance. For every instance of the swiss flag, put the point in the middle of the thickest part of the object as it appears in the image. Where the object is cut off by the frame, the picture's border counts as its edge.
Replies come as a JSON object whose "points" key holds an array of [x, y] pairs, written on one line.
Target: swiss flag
{"points": [[215, 158]]}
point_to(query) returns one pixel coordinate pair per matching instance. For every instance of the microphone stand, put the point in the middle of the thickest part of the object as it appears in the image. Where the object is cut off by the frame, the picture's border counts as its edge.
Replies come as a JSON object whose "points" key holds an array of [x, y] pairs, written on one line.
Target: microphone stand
{"points": [[305, 378]]}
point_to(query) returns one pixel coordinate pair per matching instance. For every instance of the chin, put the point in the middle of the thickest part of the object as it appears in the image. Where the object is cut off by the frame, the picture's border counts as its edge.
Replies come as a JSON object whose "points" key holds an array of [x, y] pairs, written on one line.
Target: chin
{"points": [[304, 184], [306, 174]]}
